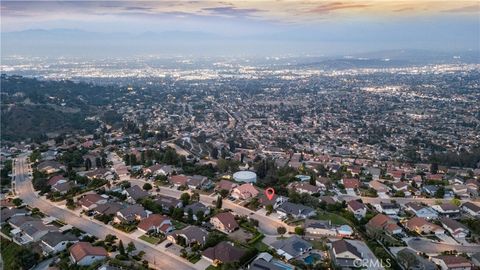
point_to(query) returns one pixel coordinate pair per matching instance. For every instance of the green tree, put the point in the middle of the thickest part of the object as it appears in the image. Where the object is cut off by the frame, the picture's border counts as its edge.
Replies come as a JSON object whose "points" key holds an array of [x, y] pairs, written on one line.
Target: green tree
{"points": [[218, 203], [269, 208], [147, 186], [185, 198], [131, 247], [200, 216], [299, 231], [17, 202], [224, 193], [281, 230], [440, 193], [121, 248]]}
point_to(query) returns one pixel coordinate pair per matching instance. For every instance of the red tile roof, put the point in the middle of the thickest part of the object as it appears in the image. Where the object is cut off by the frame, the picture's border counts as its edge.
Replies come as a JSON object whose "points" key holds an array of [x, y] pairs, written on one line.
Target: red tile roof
{"points": [[82, 249]]}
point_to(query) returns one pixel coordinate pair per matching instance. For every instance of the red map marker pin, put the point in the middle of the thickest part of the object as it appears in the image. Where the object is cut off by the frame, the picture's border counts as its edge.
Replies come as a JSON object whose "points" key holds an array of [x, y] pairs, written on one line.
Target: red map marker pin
{"points": [[270, 192]]}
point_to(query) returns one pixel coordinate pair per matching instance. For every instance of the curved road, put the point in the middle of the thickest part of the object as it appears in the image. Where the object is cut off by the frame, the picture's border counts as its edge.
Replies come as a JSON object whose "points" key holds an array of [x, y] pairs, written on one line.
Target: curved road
{"points": [[431, 247], [158, 259]]}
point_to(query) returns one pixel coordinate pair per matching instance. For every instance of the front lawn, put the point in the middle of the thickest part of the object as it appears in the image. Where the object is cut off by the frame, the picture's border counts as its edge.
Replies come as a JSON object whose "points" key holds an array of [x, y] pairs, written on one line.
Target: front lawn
{"points": [[178, 225], [335, 218], [150, 239]]}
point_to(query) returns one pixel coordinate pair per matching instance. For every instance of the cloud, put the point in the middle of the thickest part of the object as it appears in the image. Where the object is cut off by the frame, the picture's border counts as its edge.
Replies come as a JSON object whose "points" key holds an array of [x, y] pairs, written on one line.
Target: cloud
{"points": [[472, 8], [232, 11], [332, 6]]}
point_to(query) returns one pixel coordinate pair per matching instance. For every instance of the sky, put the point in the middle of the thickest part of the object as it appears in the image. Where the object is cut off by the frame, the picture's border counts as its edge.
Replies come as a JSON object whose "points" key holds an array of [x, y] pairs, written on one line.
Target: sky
{"points": [[252, 27]]}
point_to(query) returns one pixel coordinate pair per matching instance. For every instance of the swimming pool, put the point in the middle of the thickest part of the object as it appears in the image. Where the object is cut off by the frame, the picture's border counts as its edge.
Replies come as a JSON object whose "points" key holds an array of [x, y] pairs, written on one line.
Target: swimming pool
{"points": [[310, 259], [282, 265]]}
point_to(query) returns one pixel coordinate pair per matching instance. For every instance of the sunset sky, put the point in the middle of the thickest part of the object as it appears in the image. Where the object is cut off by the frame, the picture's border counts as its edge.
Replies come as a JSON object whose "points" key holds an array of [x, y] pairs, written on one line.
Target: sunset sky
{"points": [[350, 25]]}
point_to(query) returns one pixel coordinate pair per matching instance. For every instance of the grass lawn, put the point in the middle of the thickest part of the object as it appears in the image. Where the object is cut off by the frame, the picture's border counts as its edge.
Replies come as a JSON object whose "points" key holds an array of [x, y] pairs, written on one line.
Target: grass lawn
{"points": [[150, 239], [317, 244], [334, 218], [178, 225], [211, 267], [261, 247]]}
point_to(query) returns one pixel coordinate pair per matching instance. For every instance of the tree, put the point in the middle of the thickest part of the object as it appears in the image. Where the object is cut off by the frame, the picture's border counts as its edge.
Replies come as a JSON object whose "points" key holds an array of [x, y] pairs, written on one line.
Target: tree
{"points": [[131, 247], [17, 202], [200, 216], [281, 230], [218, 203], [147, 186], [70, 203], [121, 248], [195, 197], [299, 230], [440, 193], [434, 168], [269, 208], [214, 153], [177, 213], [110, 238], [456, 202], [224, 193], [88, 164], [185, 198], [190, 216]]}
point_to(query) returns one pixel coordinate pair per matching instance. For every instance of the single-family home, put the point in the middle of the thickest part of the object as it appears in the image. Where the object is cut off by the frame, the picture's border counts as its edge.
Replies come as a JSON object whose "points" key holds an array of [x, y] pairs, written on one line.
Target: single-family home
{"points": [[304, 187], [382, 222], [225, 185], [196, 207], [452, 262], [295, 210], [83, 253], [54, 242], [245, 192], [388, 208], [135, 193], [191, 235], [357, 208], [224, 222], [455, 228], [168, 202], [90, 201], [420, 210], [380, 187], [156, 223], [422, 226], [223, 252], [50, 166], [345, 254], [319, 227], [447, 210], [131, 213], [178, 180], [291, 247], [471, 209]]}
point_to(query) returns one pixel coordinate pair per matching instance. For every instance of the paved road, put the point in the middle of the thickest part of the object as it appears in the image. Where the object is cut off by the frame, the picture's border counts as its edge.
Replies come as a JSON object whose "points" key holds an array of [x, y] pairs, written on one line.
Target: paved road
{"points": [[430, 247], [158, 259]]}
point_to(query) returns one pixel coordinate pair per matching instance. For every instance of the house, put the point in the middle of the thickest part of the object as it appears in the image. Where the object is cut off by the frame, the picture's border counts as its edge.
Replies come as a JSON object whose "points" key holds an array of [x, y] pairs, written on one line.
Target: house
{"points": [[7, 213], [455, 228], [461, 190], [447, 210], [83, 253], [411, 260], [295, 210], [198, 182], [178, 180], [422, 226], [57, 179], [391, 209], [263, 264], [109, 208], [345, 254], [54, 242], [430, 190], [378, 186], [17, 221], [159, 169], [156, 223], [473, 187], [225, 185], [90, 201], [323, 182], [130, 214], [401, 186], [328, 200], [100, 173], [223, 252], [382, 222], [135, 193], [452, 262], [196, 207], [471, 209], [224, 222], [167, 202], [351, 184], [302, 187], [245, 191], [291, 247], [50, 166], [421, 210], [357, 208], [191, 234], [319, 227], [276, 200], [31, 231]]}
